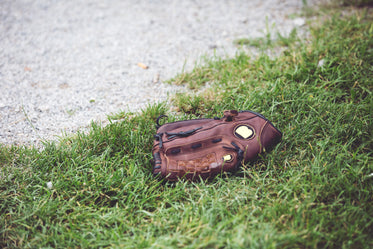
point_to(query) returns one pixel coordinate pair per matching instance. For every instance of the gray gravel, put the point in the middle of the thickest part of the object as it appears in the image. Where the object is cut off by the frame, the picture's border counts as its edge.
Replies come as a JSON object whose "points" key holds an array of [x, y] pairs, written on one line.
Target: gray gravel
{"points": [[67, 63]]}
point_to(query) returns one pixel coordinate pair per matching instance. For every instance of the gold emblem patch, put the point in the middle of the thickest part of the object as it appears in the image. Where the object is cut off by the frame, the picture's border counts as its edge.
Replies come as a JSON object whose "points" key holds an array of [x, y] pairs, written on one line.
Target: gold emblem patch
{"points": [[244, 132], [227, 158]]}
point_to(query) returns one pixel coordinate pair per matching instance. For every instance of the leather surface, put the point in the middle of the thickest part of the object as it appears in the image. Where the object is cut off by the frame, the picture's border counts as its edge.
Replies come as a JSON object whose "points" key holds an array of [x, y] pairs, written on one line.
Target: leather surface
{"points": [[204, 148]]}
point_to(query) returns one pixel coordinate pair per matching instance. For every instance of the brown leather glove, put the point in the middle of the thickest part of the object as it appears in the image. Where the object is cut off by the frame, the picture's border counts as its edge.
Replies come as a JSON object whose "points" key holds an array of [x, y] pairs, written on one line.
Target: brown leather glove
{"points": [[204, 148]]}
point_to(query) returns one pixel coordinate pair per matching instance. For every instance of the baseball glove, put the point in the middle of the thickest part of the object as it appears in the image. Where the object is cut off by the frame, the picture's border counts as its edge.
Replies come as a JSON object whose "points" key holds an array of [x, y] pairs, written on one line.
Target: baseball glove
{"points": [[203, 148]]}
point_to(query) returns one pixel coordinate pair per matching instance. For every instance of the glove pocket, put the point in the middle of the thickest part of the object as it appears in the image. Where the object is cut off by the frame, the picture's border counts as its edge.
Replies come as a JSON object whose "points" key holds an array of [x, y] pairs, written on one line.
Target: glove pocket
{"points": [[204, 159]]}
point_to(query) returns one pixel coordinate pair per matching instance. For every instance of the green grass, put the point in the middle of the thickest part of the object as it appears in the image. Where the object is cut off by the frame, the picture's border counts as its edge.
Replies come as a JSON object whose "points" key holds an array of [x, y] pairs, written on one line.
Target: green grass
{"points": [[313, 190]]}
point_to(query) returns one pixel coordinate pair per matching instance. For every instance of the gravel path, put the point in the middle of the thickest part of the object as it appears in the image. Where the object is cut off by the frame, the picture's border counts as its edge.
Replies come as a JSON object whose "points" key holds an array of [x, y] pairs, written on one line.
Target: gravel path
{"points": [[67, 63]]}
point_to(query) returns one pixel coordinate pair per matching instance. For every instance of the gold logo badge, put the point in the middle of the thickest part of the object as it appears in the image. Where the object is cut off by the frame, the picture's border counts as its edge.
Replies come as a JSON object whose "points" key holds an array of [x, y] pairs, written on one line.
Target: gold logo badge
{"points": [[227, 158], [244, 132]]}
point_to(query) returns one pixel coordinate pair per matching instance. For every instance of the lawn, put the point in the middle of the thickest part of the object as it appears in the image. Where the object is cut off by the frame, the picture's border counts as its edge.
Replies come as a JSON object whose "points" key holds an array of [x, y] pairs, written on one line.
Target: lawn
{"points": [[313, 190]]}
